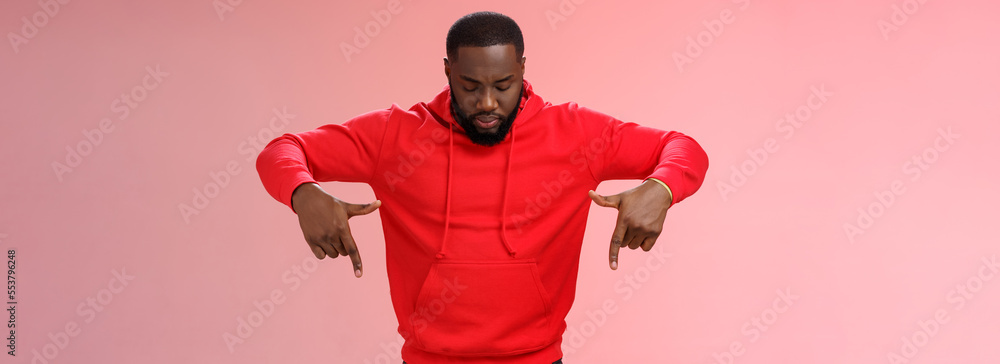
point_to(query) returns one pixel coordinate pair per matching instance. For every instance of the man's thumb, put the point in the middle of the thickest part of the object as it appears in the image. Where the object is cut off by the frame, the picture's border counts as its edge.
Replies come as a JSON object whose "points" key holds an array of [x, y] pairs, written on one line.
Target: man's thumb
{"points": [[604, 201], [355, 209]]}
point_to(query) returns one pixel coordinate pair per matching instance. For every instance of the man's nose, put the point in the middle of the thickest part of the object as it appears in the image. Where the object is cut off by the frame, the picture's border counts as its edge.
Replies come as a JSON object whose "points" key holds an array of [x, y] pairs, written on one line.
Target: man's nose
{"points": [[487, 102]]}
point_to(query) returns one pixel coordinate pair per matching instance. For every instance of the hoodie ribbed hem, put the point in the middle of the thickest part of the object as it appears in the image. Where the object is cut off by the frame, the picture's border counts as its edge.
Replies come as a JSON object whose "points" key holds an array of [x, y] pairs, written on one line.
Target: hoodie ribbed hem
{"points": [[548, 354]]}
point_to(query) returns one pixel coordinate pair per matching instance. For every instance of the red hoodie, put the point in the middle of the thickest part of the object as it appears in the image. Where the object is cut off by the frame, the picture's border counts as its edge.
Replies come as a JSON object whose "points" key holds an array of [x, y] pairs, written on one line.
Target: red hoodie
{"points": [[482, 243]]}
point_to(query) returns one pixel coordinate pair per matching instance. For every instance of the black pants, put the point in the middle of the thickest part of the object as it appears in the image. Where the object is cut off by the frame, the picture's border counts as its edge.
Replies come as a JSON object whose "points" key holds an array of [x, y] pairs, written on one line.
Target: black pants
{"points": [[555, 362]]}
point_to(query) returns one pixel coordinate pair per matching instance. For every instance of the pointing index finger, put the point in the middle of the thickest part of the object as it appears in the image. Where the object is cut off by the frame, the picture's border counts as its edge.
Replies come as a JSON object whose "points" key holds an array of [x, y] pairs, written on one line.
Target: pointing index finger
{"points": [[613, 255], [616, 242], [352, 251]]}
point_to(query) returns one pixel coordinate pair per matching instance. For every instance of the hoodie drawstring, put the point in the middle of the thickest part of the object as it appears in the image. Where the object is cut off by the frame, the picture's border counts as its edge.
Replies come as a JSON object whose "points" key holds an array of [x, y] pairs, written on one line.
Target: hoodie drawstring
{"points": [[506, 185], [447, 198]]}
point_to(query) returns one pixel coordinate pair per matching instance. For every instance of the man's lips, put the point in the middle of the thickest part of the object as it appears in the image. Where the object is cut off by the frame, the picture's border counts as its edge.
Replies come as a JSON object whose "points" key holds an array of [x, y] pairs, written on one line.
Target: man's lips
{"points": [[487, 122]]}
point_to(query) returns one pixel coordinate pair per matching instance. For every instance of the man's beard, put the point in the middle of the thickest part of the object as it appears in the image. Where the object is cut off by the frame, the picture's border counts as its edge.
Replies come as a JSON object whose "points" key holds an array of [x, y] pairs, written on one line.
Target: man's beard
{"points": [[485, 139]]}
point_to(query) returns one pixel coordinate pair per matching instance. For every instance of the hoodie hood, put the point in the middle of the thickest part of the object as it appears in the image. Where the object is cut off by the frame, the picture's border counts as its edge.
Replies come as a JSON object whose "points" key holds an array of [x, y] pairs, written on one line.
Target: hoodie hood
{"points": [[440, 106]]}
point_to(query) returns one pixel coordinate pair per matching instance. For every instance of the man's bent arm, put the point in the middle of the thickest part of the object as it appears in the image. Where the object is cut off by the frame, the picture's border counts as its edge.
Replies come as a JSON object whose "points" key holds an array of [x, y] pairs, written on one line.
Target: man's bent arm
{"points": [[347, 152], [634, 151]]}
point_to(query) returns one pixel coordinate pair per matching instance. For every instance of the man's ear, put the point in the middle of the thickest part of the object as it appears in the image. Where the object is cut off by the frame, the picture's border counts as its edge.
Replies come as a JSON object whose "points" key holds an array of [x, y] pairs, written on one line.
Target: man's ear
{"points": [[523, 59], [447, 68]]}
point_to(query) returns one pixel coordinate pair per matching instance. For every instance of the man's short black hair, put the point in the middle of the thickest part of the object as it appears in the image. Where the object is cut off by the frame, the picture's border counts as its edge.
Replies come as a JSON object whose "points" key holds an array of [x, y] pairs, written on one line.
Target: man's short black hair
{"points": [[484, 29]]}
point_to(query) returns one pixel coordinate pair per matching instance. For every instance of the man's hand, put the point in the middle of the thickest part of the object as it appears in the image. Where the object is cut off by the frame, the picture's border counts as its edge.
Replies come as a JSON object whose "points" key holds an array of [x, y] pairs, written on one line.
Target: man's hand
{"points": [[641, 211], [323, 219]]}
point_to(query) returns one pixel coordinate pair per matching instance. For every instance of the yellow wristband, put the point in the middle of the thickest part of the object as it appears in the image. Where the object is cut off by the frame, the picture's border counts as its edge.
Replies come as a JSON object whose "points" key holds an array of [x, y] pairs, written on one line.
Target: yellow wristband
{"points": [[670, 194]]}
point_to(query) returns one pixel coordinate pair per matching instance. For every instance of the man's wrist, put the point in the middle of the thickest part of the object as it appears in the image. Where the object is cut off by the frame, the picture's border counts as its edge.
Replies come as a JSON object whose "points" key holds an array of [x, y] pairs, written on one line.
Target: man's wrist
{"points": [[670, 194], [300, 190]]}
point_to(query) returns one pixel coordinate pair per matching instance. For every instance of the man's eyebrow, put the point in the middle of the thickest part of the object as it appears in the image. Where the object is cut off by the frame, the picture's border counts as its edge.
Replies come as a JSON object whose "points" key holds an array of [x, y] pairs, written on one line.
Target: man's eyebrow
{"points": [[470, 79]]}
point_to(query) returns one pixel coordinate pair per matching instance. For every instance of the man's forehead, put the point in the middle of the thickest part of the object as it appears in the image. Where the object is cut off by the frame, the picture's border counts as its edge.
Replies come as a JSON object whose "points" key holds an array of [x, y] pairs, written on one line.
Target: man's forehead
{"points": [[491, 57]]}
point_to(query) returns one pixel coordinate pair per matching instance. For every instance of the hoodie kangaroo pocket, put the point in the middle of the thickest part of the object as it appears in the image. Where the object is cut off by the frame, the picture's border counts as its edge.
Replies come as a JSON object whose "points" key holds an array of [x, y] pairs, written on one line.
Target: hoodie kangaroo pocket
{"points": [[483, 308]]}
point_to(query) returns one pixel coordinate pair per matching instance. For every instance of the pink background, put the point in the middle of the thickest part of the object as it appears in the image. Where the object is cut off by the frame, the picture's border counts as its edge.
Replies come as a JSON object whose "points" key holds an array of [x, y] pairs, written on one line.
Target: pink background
{"points": [[196, 278]]}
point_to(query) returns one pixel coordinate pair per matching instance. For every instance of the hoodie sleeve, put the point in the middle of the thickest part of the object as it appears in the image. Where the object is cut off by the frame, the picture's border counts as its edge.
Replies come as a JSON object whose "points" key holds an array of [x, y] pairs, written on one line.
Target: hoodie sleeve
{"points": [[348, 152], [628, 150]]}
